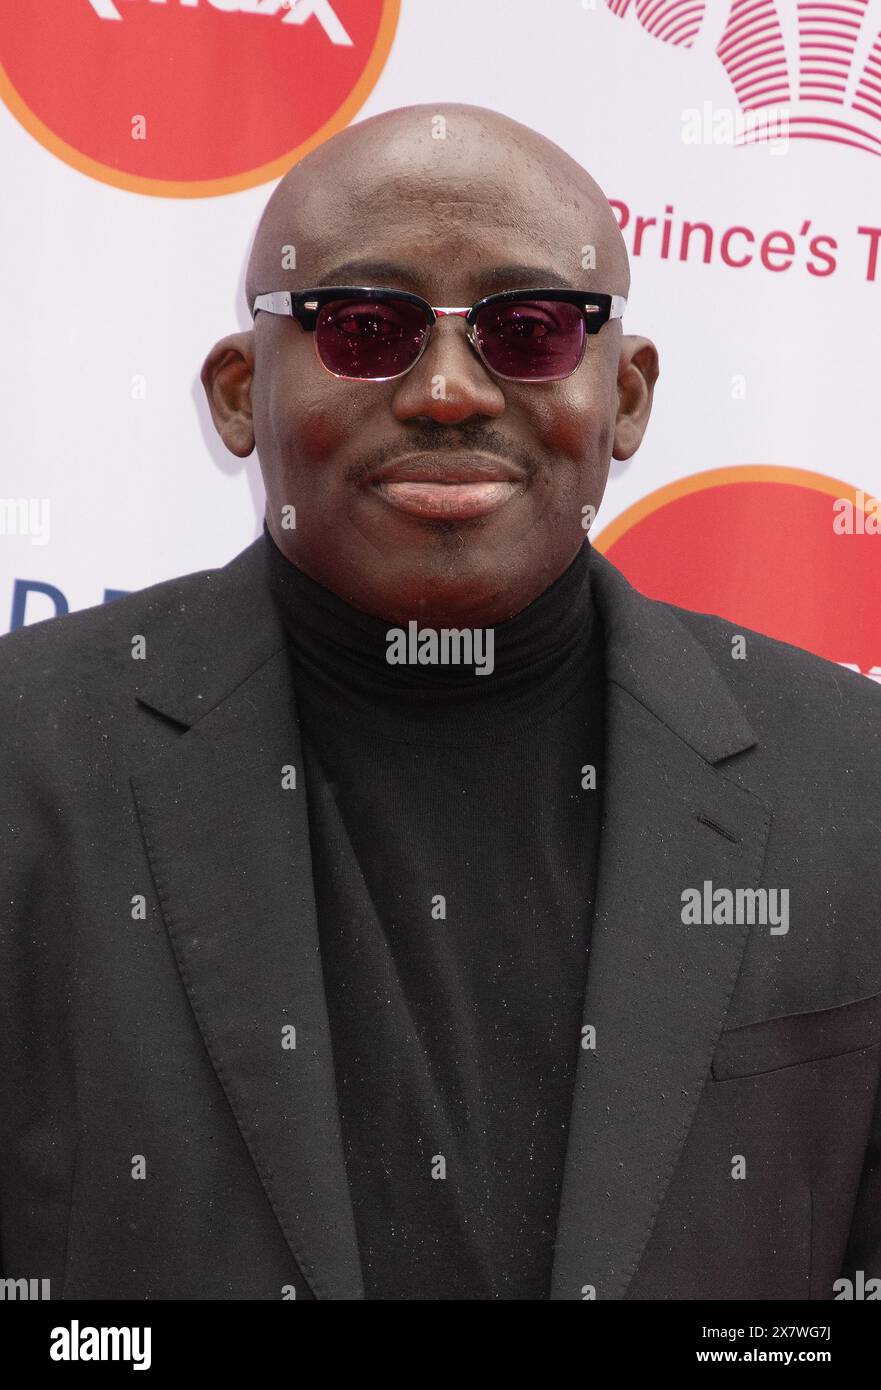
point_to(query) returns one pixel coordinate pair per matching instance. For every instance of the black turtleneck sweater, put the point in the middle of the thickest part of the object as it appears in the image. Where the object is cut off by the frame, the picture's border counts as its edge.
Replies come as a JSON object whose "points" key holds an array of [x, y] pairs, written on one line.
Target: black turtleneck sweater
{"points": [[454, 850]]}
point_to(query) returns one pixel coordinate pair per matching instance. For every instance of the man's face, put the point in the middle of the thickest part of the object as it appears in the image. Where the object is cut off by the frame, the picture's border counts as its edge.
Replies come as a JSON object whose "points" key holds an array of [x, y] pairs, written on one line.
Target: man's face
{"points": [[464, 227]]}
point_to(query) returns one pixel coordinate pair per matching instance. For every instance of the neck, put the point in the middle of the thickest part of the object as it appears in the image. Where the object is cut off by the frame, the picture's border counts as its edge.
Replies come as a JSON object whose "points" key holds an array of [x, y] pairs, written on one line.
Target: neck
{"points": [[380, 659]]}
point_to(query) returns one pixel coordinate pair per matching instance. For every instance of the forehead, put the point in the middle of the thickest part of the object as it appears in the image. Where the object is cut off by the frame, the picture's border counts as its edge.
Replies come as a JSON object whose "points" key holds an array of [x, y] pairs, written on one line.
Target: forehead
{"points": [[436, 216]]}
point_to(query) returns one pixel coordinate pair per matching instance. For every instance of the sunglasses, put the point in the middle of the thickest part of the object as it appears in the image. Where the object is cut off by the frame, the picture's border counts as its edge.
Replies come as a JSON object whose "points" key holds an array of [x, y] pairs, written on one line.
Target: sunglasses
{"points": [[363, 334]]}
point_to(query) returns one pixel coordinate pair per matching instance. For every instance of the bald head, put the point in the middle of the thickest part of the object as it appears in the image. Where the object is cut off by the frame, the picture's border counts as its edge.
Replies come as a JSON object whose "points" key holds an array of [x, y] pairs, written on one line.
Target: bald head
{"points": [[437, 155]]}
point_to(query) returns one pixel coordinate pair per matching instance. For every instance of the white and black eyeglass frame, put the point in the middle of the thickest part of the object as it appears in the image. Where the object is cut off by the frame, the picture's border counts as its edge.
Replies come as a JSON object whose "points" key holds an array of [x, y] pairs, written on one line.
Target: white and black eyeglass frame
{"points": [[497, 327]]}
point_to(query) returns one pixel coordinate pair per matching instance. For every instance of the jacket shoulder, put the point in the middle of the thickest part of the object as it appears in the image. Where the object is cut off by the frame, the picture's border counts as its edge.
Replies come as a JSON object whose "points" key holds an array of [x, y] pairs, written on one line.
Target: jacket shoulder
{"points": [[767, 672], [82, 648], [55, 642]]}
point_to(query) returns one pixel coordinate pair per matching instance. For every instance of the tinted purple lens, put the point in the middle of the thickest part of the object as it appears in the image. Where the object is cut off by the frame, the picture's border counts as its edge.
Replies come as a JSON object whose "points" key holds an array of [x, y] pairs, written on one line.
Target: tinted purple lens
{"points": [[531, 339], [369, 338]]}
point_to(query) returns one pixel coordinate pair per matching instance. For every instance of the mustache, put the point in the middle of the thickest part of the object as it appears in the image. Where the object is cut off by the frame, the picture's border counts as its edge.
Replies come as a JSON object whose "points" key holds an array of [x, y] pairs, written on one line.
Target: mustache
{"points": [[445, 441]]}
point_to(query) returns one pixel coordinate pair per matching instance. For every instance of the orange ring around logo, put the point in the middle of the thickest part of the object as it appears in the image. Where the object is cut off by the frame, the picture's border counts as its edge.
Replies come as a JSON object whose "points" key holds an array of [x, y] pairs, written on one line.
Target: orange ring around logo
{"points": [[207, 188], [783, 551], [718, 477]]}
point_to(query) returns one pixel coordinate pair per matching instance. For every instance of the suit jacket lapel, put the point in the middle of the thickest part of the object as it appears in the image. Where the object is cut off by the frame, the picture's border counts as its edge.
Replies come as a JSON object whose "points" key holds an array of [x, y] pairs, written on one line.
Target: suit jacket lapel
{"points": [[657, 990], [230, 855]]}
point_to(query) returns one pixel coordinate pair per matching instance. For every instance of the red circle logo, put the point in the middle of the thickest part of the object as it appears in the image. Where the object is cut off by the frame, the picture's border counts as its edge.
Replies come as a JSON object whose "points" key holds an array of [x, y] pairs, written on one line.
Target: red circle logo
{"points": [[190, 98], [792, 554]]}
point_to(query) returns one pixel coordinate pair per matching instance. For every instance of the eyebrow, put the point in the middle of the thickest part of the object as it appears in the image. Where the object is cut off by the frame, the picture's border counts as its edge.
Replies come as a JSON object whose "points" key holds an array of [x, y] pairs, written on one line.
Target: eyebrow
{"points": [[389, 274]]}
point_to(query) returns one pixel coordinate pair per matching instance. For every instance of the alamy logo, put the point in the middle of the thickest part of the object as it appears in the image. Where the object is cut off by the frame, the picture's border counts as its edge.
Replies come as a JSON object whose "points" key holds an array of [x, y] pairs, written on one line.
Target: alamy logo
{"points": [[446, 646], [859, 1288], [294, 11], [820, 62], [23, 1290], [77, 1343], [25, 516], [729, 907]]}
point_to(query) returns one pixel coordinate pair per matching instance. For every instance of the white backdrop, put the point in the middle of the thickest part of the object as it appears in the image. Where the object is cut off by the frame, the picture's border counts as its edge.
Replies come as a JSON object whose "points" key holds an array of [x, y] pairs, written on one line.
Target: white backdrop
{"points": [[101, 285]]}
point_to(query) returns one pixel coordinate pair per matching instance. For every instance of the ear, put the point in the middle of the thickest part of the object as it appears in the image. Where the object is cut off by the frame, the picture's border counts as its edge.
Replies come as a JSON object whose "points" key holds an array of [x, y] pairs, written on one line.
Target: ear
{"points": [[637, 373], [227, 374]]}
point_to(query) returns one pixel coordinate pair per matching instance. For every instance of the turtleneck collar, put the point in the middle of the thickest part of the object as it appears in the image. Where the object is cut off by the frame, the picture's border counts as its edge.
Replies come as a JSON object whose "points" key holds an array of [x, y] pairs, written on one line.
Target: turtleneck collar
{"points": [[342, 652]]}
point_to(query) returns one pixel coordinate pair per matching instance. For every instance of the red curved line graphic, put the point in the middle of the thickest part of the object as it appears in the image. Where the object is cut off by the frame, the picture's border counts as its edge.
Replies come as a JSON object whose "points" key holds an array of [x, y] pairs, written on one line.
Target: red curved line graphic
{"points": [[758, 53], [740, 12], [745, 43], [778, 93], [766, 69], [688, 31]]}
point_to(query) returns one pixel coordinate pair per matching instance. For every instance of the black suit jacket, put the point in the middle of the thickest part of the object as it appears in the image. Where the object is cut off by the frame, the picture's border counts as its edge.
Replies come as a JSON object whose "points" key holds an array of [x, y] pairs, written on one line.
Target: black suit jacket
{"points": [[152, 1043]]}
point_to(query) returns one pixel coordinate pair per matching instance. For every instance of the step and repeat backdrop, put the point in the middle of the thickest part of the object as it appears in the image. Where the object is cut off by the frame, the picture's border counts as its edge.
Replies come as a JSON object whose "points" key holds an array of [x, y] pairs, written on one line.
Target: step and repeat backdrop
{"points": [[738, 143]]}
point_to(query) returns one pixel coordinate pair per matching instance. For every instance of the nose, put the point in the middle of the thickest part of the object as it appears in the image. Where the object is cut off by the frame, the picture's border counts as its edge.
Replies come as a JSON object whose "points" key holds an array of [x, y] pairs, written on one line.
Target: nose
{"points": [[449, 382]]}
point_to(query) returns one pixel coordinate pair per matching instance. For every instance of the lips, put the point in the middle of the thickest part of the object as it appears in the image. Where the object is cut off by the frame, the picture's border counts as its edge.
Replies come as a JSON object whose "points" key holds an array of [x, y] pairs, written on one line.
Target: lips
{"points": [[448, 487]]}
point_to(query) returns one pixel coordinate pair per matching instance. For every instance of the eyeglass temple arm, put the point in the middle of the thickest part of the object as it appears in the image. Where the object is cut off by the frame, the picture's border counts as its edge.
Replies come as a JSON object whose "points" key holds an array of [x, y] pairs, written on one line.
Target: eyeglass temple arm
{"points": [[279, 302]]}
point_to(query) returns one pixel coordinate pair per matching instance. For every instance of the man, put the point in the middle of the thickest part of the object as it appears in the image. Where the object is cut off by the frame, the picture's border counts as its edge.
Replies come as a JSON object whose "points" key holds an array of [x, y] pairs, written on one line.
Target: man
{"points": [[410, 909]]}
